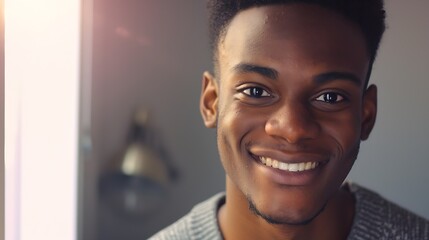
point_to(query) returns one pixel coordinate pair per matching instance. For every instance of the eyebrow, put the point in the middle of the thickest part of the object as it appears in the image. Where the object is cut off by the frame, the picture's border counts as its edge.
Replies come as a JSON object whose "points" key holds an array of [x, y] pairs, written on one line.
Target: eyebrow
{"points": [[250, 68], [273, 74], [332, 76]]}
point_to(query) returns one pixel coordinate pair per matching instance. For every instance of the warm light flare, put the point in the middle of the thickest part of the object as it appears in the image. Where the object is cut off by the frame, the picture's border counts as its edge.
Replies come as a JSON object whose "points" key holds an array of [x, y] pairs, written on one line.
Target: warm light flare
{"points": [[42, 55]]}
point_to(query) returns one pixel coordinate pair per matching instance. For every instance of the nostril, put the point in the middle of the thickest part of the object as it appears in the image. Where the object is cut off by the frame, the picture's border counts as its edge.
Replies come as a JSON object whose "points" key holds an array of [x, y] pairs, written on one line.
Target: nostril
{"points": [[292, 129]]}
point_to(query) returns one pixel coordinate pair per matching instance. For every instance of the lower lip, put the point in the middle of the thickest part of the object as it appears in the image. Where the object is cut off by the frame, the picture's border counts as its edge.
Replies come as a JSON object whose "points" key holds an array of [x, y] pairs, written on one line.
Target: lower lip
{"points": [[290, 178]]}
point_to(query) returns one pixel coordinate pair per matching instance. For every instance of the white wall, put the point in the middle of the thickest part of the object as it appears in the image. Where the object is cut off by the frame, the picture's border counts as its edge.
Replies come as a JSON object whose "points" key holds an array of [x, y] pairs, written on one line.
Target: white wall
{"points": [[42, 51], [1, 120]]}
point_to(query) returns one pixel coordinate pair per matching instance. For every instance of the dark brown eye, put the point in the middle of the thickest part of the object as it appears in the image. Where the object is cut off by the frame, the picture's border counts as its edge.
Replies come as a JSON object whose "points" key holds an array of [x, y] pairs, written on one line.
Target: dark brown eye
{"points": [[330, 97], [256, 92]]}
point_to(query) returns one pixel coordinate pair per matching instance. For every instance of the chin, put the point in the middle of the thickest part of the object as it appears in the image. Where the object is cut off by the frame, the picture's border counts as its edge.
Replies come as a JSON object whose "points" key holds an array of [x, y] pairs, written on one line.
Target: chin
{"points": [[282, 216]]}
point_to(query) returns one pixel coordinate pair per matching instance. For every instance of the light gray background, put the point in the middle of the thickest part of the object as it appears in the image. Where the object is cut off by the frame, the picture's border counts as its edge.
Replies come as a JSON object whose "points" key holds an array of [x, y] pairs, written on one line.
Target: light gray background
{"points": [[394, 161], [151, 53]]}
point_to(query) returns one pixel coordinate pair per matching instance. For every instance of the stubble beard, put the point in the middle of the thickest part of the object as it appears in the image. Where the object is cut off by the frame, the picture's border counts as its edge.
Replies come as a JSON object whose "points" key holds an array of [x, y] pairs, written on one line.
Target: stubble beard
{"points": [[281, 220]]}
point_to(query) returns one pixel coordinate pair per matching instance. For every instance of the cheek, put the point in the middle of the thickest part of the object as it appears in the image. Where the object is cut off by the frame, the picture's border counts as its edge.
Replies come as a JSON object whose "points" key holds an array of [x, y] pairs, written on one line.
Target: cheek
{"points": [[234, 127], [344, 140], [232, 122], [229, 133], [345, 133]]}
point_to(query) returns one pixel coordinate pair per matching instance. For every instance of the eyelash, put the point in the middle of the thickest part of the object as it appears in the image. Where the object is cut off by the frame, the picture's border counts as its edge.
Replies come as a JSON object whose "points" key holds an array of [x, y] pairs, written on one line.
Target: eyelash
{"points": [[335, 98], [250, 92]]}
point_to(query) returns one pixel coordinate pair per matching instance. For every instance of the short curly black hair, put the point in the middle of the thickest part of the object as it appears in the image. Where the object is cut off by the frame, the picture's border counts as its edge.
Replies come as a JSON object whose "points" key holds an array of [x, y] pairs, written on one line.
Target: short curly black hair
{"points": [[368, 15]]}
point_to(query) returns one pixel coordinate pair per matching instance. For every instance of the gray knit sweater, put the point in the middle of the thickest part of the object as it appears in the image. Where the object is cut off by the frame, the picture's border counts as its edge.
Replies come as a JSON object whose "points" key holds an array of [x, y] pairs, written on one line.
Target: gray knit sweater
{"points": [[375, 218]]}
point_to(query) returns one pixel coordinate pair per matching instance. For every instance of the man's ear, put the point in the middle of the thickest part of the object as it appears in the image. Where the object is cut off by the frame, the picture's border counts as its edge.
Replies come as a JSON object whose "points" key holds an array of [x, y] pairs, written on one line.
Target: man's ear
{"points": [[369, 111], [209, 100]]}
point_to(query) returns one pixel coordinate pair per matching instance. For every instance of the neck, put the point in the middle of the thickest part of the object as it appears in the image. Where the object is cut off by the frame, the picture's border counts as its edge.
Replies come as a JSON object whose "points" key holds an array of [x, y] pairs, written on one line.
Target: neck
{"points": [[238, 222]]}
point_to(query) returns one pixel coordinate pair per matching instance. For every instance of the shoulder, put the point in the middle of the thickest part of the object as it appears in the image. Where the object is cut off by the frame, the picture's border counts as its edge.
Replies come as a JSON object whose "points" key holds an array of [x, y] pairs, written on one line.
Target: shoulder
{"points": [[378, 218], [199, 223]]}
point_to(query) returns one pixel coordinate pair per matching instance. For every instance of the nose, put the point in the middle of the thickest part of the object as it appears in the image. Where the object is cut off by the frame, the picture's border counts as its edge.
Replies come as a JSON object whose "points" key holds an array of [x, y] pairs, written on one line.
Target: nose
{"points": [[292, 122]]}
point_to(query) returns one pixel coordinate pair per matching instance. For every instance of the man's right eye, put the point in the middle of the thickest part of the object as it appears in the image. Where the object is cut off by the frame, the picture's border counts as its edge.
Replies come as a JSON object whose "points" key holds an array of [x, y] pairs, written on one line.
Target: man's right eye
{"points": [[256, 92]]}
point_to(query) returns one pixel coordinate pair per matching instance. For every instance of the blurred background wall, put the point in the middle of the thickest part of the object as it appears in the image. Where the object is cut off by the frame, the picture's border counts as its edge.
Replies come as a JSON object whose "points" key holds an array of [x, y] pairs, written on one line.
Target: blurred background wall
{"points": [[394, 161], [152, 54]]}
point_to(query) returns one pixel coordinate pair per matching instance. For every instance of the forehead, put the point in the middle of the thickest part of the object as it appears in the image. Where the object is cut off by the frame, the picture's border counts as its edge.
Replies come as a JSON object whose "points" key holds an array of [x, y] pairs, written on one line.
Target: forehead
{"points": [[293, 35]]}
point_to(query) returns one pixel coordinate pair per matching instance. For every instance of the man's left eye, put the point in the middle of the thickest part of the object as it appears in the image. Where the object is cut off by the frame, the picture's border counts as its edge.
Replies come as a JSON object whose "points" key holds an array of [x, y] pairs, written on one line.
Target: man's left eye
{"points": [[330, 97]]}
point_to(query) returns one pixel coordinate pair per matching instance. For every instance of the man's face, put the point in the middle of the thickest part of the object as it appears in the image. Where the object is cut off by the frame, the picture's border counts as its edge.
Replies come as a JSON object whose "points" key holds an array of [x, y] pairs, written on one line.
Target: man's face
{"points": [[290, 107]]}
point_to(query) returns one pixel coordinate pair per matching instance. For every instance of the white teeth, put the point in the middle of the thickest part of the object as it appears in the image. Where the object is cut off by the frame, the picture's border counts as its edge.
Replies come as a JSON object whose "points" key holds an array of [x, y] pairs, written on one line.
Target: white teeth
{"points": [[275, 164], [269, 162], [301, 166], [283, 166], [291, 167]]}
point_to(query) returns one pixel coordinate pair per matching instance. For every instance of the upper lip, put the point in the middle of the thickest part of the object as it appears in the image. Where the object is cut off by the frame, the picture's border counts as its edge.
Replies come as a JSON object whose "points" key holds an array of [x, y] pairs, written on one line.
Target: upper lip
{"points": [[288, 157]]}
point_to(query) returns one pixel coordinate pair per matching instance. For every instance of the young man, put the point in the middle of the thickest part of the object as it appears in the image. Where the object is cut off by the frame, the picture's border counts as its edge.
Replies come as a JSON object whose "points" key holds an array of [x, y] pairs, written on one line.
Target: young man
{"points": [[291, 102]]}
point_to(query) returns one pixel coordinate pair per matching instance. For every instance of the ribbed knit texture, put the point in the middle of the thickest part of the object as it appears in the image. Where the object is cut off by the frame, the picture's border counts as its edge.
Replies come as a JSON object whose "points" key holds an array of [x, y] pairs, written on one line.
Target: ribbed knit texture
{"points": [[375, 218]]}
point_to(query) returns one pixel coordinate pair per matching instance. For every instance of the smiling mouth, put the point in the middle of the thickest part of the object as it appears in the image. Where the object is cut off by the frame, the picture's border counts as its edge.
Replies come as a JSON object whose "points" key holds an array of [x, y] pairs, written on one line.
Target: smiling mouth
{"points": [[289, 167]]}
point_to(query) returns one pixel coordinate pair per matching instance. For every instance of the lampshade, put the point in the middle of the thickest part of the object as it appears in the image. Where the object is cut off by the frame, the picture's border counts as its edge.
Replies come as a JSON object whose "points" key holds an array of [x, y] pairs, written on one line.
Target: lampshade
{"points": [[140, 160], [135, 182]]}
